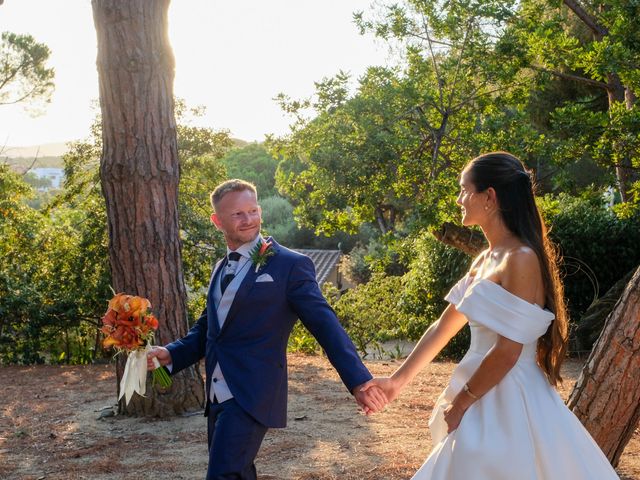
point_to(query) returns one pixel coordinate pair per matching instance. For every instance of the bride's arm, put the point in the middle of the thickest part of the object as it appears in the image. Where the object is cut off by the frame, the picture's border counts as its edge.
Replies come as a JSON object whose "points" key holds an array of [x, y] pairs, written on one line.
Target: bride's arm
{"points": [[434, 339], [432, 342], [520, 269]]}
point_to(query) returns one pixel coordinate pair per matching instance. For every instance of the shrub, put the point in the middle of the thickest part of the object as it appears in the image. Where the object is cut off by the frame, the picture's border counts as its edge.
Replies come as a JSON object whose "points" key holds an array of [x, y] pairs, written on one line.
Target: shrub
{"points": [[435, 268], [370, 312], [381, 255], [403, 307], [598, 248]]}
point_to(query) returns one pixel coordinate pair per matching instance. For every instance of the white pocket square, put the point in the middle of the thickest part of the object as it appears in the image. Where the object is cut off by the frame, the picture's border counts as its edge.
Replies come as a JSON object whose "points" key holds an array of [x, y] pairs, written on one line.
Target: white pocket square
{"points": [[265, 277]]}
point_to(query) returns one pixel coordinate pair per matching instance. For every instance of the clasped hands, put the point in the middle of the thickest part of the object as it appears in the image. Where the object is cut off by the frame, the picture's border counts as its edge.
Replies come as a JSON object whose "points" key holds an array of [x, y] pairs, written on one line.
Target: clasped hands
{"points": [[375, 394]]}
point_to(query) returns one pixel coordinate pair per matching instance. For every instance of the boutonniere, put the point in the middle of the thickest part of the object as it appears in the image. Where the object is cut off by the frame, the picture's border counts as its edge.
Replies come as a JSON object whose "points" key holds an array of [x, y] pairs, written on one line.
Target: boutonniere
{"points": [[260, 253]]}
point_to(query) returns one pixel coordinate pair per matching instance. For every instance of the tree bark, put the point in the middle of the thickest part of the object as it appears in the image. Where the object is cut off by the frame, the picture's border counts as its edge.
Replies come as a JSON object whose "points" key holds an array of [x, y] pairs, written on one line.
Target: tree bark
{"points": [[139, 172], [469, 241], [606, 397]]}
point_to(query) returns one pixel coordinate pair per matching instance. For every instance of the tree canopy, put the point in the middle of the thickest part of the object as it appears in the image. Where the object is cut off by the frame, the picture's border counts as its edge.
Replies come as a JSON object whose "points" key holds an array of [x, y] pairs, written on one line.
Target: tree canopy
{"points": [[24, 75]]}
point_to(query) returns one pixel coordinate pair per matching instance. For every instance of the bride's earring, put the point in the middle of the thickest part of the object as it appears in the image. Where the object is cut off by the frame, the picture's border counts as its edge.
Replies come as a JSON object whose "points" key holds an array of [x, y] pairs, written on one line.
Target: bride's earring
{"points": [[486, 207]]}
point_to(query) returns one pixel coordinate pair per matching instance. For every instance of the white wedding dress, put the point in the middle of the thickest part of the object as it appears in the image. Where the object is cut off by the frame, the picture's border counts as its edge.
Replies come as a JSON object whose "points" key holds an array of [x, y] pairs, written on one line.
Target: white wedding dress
{"points": [[520, 429]]}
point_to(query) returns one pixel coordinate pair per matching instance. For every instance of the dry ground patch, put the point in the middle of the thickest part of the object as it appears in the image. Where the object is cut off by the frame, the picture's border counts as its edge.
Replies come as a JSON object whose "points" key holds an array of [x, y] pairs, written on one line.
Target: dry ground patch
{"points": [[50, 429]]}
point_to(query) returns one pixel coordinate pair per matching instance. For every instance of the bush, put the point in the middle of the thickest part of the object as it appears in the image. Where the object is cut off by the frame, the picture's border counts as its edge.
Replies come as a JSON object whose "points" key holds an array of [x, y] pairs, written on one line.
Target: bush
{"points": [[598, 248], [381, 255], [302, 341], [403, 307], [435, 268], [370, 312]]}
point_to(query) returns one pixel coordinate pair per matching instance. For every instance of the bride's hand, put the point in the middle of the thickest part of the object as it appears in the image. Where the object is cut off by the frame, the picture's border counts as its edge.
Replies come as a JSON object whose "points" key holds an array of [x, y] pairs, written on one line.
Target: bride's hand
{"points": [[389, 386], [453, 416]]}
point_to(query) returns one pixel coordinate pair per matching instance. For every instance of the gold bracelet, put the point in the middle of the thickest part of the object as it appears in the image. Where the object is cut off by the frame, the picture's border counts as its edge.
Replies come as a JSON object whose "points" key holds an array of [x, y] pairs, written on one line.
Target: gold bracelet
{"points": [[466, 389]]}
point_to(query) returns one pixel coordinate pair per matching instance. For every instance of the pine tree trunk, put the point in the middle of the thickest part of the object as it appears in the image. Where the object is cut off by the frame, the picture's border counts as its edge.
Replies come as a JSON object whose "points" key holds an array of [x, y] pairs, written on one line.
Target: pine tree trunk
{"points": [[606, 397], [139, 173]]}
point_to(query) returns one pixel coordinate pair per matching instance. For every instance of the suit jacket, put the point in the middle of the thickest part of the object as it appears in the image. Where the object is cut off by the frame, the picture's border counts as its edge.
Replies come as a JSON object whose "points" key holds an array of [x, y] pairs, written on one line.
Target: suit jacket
{"points": [[251, 346]]}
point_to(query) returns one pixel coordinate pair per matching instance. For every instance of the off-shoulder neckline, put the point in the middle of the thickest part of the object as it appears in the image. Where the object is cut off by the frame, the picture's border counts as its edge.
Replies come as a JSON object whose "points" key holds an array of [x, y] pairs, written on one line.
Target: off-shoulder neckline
{"points": [[512, 295]]}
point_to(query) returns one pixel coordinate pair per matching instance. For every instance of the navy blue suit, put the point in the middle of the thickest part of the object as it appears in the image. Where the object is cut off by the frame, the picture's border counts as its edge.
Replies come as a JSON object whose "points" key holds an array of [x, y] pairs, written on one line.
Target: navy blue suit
{"points": [[251, 346]]}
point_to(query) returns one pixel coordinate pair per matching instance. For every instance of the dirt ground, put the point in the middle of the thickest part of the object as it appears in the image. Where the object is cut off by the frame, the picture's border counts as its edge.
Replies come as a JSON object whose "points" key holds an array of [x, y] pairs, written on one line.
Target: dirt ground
{"points": [[50, 429]]}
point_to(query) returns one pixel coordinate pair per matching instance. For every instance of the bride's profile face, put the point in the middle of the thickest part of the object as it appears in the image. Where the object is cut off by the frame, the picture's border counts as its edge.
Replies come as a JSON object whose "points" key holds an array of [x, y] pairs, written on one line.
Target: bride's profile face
{"points": [[472, 203]]}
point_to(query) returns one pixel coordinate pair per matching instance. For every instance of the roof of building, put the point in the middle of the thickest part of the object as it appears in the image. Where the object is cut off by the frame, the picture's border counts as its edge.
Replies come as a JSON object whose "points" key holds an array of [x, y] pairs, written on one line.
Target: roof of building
{"points": [[324, 261]]}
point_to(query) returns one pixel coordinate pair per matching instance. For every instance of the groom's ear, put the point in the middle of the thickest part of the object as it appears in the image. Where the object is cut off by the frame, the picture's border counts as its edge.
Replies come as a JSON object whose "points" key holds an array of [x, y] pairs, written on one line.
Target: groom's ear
{"points": [[215, 220]]}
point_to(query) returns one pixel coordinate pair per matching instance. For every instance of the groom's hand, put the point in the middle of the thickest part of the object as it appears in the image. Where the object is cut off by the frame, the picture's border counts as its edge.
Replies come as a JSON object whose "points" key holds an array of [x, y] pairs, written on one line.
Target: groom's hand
{"points": [[162, 354], [369, 397]]}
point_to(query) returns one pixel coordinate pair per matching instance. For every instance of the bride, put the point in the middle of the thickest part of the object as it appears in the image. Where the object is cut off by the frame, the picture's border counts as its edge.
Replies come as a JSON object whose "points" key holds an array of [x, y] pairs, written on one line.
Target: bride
{"points": [[500, 417]]}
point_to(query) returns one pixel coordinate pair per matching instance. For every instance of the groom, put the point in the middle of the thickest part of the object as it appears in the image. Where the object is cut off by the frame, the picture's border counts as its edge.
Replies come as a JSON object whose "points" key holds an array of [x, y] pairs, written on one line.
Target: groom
{"points": [[253, 302]]}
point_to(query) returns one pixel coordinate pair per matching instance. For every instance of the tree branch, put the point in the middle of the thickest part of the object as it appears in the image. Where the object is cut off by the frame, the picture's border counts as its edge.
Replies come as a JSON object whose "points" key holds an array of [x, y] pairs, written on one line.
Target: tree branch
{"points": [[464, 239], [587, 19], [569, 76]]}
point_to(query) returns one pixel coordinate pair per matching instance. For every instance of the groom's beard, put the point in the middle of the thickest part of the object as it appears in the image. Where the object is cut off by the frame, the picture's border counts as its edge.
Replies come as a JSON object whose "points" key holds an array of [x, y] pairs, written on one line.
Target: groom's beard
{"points": [[242, 236]]}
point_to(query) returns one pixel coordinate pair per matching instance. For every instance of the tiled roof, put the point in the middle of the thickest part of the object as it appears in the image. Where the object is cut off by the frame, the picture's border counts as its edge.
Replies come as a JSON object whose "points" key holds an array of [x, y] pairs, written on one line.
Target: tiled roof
{"points": [[324, 261]]}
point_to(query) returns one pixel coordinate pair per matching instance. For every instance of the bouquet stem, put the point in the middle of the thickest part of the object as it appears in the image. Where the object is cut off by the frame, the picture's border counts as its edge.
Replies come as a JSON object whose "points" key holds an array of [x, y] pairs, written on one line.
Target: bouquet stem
{"points": [[160, 375]]}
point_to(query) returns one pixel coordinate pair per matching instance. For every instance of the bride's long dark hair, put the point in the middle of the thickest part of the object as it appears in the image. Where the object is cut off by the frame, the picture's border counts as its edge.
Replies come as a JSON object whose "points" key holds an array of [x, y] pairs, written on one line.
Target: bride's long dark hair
{"points": [[514, 188]]}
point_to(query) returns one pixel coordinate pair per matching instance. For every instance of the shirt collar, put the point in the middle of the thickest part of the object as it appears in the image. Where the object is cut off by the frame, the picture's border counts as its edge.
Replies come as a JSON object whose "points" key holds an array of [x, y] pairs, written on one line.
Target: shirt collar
{"points": [[246, 248]]}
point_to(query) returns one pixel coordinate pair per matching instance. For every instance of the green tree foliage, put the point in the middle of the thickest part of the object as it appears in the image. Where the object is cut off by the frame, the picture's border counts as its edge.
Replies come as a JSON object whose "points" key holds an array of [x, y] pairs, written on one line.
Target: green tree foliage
{"points": [[341, 168], [51, 282], [55, 270], [254, 164], [277, 219], [24, 75], [390, 153], [595, 46]]}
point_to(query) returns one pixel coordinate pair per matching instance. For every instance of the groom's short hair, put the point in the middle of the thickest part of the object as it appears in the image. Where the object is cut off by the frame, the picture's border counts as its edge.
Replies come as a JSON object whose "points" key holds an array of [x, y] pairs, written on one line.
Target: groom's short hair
{"points": [[233, 185]]}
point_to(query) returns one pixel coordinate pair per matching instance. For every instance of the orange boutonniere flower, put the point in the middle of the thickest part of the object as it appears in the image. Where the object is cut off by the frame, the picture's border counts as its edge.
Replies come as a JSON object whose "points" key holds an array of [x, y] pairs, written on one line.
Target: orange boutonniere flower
{"points": [[261, 253]]}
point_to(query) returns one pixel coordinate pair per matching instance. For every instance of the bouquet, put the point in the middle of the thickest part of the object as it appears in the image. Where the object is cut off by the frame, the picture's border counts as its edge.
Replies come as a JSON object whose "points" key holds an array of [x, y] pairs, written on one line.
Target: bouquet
{"points": [[129, 326]]}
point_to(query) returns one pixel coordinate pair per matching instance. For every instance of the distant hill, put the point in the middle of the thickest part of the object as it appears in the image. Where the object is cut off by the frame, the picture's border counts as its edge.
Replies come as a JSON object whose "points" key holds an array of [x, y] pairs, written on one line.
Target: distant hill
{"points": [[44, 150], [239, 143], [49, 155], [20, 164]]}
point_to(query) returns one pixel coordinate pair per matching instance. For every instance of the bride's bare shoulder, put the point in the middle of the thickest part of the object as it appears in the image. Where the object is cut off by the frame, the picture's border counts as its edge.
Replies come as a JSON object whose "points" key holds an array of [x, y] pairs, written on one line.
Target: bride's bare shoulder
{"points": [[520, 273]]}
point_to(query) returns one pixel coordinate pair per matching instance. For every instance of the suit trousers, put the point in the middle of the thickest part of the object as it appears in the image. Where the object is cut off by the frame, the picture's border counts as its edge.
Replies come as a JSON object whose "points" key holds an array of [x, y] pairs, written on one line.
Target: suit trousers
{"points": [[234, 440]]}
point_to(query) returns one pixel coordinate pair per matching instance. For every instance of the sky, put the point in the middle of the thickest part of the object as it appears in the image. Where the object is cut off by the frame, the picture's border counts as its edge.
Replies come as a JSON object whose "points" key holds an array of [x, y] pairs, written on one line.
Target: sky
{"points": [[232, 57]]}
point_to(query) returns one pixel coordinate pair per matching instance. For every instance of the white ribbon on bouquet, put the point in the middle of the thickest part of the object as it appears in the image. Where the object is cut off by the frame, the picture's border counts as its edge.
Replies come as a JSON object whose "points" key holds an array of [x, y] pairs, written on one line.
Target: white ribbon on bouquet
{"points": [[134, 378]]}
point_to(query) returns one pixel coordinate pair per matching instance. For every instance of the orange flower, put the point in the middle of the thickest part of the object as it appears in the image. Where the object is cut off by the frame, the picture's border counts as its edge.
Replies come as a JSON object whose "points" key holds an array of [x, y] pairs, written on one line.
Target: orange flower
{"points": [[128, 323], [116, 303], [137, 306], [263, 248], [260, 253], [110, 318], [152, 322]]}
